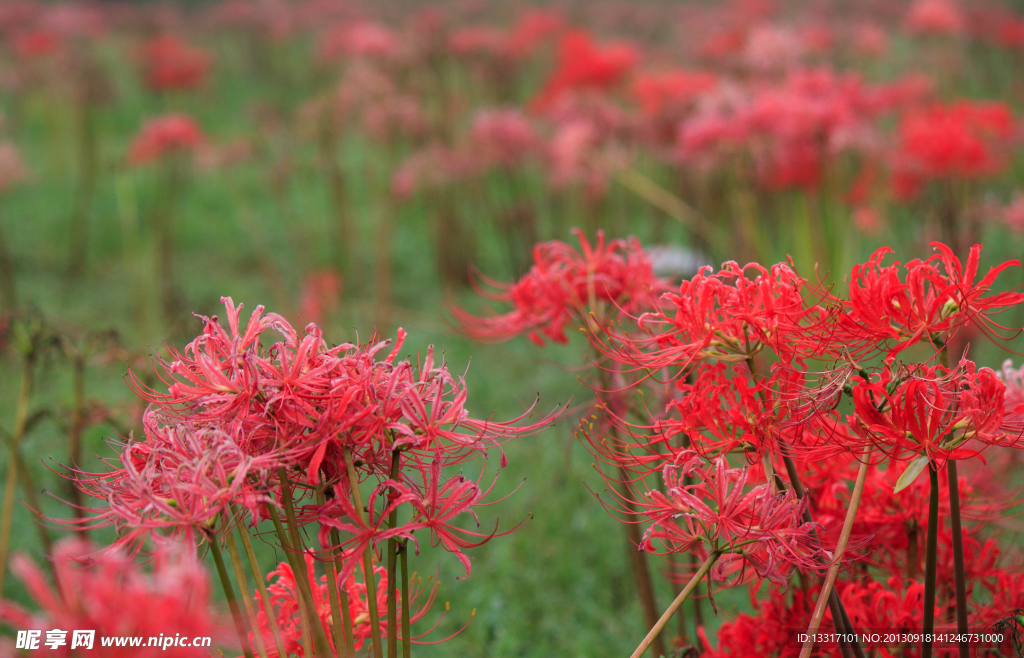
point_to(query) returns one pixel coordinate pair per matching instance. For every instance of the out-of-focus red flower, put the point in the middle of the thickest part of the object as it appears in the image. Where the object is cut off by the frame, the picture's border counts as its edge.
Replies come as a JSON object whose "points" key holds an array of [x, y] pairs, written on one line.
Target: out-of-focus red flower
{"points": [[935, 17], [170, 63], [321, 291], [564, 285], [1012, 215], [35, 44], [870, 39], [12, 168], [1013, 378], [867, 220], [164, 135], [363, 38], [582, 64], [503, 138], [108, 593], [966, 140], [533, 27], [656, 91]]}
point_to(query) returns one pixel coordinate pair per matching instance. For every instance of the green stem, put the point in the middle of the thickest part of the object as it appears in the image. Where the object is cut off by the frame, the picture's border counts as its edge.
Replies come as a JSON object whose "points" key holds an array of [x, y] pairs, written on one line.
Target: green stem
{"points": [[304, 599], [403, 555], [11, 486], [320, 642], [833, 570], [229, 594], [346, 612], [337, 629], [392, 566], [931, 550], [261, 585], [368, 575], [959, 573], [690, 586], [243, 588]]}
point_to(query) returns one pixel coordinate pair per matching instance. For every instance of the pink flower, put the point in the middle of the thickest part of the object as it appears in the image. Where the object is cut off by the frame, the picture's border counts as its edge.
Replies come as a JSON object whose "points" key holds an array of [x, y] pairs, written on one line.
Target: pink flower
{"points": [[363, 38], [869, 39], [321, 291], [12, 168], [108, 593], [935, 17], [503, 137], [161, 136]]}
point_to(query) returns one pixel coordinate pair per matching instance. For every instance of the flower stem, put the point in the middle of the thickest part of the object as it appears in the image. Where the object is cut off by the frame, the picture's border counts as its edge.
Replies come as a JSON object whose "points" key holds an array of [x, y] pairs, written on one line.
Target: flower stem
{"points": [[261, 585], [839, 617], [368, 576], [931, 550], [392, 566], [346, 612], [229, 594], [953, 484], [11, 486], [690, 586], [403, 554], [243, 588], [837, 561], [338, 631], [317, 633], [302, 595]]}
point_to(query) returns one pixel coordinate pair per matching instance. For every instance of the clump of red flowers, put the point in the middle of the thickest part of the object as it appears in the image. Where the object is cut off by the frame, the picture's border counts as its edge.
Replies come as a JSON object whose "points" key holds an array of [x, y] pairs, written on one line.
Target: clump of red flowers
{"points": [[169, 64], [564, 286], [163, 136]]}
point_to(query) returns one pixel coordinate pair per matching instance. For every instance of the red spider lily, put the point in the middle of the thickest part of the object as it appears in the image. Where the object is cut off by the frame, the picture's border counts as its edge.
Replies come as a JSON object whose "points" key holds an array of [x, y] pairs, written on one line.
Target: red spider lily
{"points": [[932, 412], [564, 285], [303, 401], [1013, 379], [286, 607], [321, 291], [659, 92], [725, 315], [159, 137], [503, 138], [935, 17], [963, 141], [179, 479], [108, 593], [716, 512], [584, 65], [363, 38], [36, 44], [171, 64], [893, 307], [436, 502]]}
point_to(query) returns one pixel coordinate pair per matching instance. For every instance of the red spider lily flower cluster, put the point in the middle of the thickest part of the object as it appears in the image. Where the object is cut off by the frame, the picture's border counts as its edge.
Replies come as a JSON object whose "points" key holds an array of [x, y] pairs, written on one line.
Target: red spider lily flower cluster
{"points": [[564, 286], [284, 598], [584, 65], [171, 64], [708, 507], [110, 594], [240, 419], [165, 135], [964, 141], [707, 346]]}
